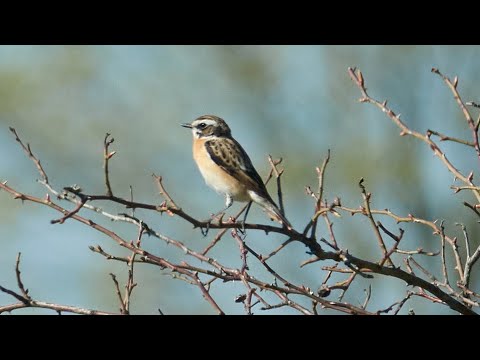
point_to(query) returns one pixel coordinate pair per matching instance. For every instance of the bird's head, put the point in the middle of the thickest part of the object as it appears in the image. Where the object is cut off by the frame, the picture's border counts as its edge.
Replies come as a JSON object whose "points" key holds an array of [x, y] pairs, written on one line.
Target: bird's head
{"points": [[208, 126]]}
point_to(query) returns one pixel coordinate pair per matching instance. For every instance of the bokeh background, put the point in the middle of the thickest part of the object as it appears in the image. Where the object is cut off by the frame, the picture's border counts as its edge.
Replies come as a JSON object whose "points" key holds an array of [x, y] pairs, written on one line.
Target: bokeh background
{"points": [[293, 102]]}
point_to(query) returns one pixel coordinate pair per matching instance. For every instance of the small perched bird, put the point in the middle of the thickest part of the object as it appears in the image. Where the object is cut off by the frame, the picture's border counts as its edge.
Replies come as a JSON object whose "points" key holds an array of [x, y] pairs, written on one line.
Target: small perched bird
{"points": [[226, 167]]}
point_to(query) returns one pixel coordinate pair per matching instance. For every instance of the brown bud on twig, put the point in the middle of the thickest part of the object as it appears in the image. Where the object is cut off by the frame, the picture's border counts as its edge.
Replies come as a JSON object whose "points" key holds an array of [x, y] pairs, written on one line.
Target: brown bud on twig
{"points": [[324, 291], [470, 176], [360, 78], [241, 298]]}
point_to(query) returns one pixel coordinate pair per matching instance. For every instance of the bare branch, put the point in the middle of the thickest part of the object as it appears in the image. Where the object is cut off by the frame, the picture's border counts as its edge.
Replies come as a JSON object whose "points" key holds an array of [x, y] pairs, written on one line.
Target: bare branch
{"points": [[123, 310], [368, 293], [29, 153], [26, 300], [461, 104], [471, 260], [381, 243], [203, 271], [449, 138], [19, 279], [405, 130], [107, 155], [164, 192], [444, 263], [70, 214]]}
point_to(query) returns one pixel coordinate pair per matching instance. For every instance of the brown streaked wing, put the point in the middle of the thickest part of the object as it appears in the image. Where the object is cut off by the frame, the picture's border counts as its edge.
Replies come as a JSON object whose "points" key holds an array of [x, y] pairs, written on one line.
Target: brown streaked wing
{"points": [[230, 156]]}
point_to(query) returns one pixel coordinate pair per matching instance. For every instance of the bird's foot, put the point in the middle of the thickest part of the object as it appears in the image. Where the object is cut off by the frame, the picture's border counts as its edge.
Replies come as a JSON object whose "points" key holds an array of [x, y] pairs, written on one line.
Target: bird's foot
{"points": [[242, 229], [203, 230], [209, 221]]}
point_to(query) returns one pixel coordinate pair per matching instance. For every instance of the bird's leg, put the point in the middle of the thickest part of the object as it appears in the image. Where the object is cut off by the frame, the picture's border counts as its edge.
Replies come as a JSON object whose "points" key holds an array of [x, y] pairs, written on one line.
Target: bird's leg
{"points": [[205, 232], [228, 203], [244, 221]]}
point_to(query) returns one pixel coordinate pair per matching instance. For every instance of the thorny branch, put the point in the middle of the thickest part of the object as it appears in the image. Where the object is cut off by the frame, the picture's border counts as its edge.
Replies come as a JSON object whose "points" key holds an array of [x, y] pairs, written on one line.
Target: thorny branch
{"points": [[106, 157], [203, 270], [26, 301], [453, 87], [357, 78]]}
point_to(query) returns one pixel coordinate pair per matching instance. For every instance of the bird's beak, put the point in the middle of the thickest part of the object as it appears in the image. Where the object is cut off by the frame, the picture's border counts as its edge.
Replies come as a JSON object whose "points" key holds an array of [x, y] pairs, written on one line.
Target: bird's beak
{"points": [[186, 125]]}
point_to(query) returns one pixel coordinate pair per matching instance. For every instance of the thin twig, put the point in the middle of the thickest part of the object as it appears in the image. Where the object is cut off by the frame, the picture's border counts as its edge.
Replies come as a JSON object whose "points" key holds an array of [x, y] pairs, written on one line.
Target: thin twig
{"points": [[130, 283], [321, 177], [399, 305], [305, 291], [419, 251], [318, 197], [29, 153], [471, 260], [55, 307], [207, 295], [473, 208], [444, 263], [131, 198], [71, 213], [381, 243], [123, 310], [466, 113], [27, 301], [314, 247], [368, 293], [397, 239], [460, 188], [344, 285], [449, 138], [357, 78], [106, 157], [412, 219], [280, 247], [425, 271], [19, 279], [330, 231], [243, 251], [188, 271], [164, 192]]}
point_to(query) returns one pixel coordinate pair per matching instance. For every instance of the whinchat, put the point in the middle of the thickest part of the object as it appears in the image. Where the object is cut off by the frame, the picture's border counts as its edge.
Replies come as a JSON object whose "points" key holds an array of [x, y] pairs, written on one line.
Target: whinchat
{"points": [[227, 168]]}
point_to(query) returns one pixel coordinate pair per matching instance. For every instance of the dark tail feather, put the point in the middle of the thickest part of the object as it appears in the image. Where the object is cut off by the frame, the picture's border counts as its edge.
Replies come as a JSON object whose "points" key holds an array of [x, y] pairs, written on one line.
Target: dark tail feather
{"points": [[277, 214]]}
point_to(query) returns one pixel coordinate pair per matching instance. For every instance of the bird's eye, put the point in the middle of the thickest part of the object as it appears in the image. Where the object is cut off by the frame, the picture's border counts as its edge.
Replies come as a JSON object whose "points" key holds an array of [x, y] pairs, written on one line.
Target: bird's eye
{"points": [[202, 126]]}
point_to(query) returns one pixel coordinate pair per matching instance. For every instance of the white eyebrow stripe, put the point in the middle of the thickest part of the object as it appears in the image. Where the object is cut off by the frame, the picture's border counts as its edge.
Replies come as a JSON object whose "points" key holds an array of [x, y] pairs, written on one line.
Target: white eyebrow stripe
{"points": [[206, 121]]}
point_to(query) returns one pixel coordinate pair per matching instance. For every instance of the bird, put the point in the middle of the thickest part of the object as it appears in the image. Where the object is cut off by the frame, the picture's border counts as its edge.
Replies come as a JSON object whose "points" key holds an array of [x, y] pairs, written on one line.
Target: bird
{"points": [[227, 168]]}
